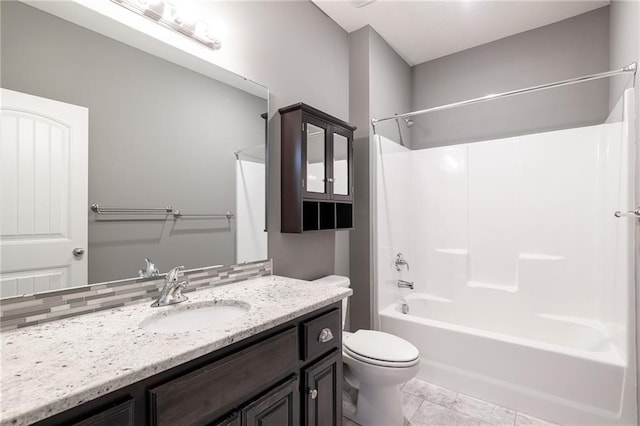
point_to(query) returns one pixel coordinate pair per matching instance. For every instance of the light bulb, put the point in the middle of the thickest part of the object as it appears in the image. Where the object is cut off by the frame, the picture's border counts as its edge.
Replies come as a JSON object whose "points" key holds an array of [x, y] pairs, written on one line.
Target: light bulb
{"points": [[185, 19], [154, 9], [204, 35]]}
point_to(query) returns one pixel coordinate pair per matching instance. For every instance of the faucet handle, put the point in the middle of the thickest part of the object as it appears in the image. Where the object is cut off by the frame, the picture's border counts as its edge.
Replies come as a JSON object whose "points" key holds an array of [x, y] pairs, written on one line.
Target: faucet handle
{"points": [[400, 262], [150, 269], [172, 275], [178, 288]]}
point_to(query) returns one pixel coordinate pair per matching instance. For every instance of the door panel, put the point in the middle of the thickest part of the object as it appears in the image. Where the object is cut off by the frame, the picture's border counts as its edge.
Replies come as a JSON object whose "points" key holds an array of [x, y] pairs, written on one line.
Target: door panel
{"points": [[43, 171], [279, 407], [323, 391]]}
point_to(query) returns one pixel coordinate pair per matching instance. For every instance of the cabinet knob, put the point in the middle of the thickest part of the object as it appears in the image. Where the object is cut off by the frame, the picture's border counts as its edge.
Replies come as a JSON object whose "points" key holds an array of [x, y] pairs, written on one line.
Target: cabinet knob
{"points": [[325, 335], [78, 251], [330, 180], [313, 393]]}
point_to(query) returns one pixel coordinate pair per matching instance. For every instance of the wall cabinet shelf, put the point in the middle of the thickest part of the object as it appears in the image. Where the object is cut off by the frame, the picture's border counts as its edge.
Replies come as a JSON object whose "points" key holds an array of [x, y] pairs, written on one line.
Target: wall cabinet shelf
{"points": [[317, 170]]}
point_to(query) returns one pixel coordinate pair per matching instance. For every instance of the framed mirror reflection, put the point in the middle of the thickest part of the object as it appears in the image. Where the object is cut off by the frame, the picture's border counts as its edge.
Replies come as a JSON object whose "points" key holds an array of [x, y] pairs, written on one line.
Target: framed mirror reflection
{"points": [[158, 136]]}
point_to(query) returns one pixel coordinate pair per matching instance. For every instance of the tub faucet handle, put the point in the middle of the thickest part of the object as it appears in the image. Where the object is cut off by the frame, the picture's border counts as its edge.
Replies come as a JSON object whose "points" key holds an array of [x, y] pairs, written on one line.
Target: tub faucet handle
{"points": [[405, 284], [400, 262]]}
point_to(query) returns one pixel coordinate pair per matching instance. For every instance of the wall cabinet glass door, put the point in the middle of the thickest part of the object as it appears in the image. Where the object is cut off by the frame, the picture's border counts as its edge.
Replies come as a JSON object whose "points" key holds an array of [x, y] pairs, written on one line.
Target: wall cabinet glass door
{"points": [[328, 161], [315, 151], [342, 164]]}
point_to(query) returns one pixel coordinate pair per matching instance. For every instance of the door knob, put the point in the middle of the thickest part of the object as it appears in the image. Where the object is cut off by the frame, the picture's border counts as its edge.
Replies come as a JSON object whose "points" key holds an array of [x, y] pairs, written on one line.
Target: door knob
{"points": [[313, 393], [78, 251]]}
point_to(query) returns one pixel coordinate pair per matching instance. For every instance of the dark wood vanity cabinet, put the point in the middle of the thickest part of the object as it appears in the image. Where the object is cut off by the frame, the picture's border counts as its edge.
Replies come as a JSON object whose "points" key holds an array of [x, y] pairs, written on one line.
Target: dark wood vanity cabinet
{"points": [[290, 375], [316, 170]]}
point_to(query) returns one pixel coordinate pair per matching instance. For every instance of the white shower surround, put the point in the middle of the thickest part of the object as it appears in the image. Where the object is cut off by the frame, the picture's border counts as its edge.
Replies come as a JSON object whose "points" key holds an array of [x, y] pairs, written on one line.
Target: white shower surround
{"points": [[517, 261], [251, 238]]}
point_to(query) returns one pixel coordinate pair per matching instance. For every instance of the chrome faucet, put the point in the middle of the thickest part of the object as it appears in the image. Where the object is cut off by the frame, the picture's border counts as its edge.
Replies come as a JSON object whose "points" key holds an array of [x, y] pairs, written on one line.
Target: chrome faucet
{"points": [[150, 270], [172, 291], [400, 262], [405, 284]]}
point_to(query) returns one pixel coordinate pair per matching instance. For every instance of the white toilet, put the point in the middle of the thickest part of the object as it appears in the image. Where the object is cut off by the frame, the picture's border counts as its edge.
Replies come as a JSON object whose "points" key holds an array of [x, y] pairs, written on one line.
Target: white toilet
{"points": [[376, 363]]}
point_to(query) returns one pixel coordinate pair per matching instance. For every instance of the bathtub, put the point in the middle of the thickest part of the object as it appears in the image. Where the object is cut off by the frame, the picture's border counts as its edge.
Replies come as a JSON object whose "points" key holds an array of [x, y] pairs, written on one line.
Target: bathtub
{"points": [[562, 369]]}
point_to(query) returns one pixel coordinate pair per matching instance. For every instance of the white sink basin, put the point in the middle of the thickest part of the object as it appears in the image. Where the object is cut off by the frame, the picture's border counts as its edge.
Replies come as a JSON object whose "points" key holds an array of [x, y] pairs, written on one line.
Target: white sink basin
{"points": [[196, 316]]}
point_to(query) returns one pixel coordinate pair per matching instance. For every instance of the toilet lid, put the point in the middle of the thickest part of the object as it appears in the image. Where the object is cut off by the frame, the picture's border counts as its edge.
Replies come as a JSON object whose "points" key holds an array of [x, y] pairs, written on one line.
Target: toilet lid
{"points": [[380, 346]]}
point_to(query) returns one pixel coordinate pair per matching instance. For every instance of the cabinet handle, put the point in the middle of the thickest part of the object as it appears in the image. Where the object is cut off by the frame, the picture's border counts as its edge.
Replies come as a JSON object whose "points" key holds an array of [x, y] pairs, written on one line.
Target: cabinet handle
{"points": [[330, 180], [313, 393], [325, 335]]}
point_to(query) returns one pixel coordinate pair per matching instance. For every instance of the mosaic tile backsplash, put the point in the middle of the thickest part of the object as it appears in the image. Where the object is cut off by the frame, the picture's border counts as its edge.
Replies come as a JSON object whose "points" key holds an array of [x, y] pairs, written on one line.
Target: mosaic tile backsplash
{"points": [[38, 308]]}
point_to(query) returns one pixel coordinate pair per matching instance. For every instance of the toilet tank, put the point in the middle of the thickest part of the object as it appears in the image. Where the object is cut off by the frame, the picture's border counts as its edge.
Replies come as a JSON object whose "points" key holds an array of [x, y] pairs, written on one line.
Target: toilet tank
{"points": [[337, 281]]}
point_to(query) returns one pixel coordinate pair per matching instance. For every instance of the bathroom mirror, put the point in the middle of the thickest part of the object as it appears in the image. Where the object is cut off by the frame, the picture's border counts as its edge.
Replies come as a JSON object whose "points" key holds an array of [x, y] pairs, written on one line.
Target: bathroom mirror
{"points": [[160, 136]]}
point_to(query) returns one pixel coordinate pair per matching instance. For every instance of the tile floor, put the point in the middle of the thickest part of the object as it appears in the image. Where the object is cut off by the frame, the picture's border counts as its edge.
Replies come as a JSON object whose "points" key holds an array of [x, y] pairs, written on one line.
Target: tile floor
{"points": [[425, 404]]}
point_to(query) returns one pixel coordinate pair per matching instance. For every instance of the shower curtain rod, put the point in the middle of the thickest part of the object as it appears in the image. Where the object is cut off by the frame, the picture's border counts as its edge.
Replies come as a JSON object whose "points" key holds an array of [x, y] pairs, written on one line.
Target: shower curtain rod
{"points": [[237, 152], [631, 68]]}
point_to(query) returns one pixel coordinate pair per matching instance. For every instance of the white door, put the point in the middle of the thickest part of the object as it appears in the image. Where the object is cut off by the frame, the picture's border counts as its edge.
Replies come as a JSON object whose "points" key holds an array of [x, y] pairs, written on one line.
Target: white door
{"points": [[43, 194]]}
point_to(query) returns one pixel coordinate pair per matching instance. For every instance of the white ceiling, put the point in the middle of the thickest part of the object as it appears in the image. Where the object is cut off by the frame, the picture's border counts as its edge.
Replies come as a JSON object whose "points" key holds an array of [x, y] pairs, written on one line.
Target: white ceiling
{"points": [[424, 30]]}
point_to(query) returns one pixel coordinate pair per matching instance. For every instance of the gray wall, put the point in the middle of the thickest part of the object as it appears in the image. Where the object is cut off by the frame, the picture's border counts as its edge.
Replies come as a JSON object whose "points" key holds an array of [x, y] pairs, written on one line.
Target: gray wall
{"points": [[360, 239], [159, 134], [380, 85], [391, 89], [624, 27], [566, 49], [302, 56]]}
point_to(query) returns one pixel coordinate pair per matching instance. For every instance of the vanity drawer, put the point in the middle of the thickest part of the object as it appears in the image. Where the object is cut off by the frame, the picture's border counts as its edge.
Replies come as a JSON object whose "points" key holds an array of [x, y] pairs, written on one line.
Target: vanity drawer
{"points": [[321, 334], [195, 397]]}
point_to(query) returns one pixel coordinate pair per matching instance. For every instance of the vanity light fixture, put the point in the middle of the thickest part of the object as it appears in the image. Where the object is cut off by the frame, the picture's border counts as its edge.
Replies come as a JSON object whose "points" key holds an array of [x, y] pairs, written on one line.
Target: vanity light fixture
{"points": [[170, 16]]}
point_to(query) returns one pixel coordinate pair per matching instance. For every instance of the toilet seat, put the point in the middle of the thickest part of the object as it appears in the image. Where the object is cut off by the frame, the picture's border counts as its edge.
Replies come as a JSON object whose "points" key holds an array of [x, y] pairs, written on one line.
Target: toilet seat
{"points": [[381, 349]]}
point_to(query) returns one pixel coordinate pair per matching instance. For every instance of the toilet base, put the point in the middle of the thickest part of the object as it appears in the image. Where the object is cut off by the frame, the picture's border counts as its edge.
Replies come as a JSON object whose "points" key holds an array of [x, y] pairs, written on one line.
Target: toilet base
{"points": [[379, 406]]}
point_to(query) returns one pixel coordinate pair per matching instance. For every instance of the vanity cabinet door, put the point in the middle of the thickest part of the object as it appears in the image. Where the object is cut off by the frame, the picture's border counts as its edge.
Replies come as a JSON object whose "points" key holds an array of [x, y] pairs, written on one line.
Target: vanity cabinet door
{"points": [[119, 415], [279, 407], [322, 391], [231, 420]]}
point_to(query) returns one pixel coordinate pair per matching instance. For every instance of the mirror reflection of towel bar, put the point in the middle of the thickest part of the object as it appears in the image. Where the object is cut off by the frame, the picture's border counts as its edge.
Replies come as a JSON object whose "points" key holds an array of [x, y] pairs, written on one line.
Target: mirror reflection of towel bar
{"points": [[169, 210], [178, 214], [634, 213], [98, 209]]}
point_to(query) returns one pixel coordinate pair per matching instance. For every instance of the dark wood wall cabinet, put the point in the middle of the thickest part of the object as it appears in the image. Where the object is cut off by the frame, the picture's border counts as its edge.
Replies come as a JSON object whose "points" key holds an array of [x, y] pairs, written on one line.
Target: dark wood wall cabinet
{"points": [[316, 170], [290, 375]]}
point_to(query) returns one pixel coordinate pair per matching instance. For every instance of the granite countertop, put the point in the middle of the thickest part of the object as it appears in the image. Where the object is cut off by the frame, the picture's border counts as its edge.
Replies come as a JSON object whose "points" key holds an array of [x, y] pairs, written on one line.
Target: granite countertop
{"points": [[49, 368]]}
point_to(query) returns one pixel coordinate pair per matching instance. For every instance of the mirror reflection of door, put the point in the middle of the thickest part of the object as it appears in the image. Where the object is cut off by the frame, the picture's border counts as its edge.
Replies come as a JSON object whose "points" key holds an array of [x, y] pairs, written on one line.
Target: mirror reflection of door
{"points": [[43, 168], [340, 164], [315, 159]]}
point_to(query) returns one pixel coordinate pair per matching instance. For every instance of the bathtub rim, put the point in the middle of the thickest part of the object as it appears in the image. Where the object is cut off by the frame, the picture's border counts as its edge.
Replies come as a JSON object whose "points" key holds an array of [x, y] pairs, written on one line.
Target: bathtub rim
{"points": [[611, 356]]}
